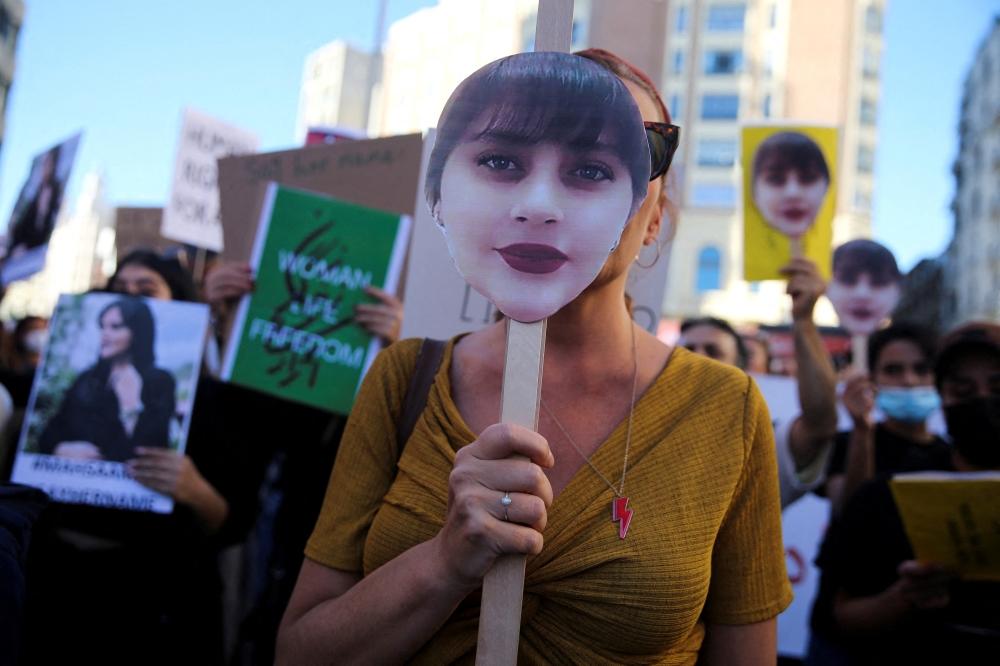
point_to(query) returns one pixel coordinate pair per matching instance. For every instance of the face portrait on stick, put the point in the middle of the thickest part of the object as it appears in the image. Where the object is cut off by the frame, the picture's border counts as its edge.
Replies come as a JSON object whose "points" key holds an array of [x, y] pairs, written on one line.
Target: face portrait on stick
{"points": [[866, 285], [790, 182], [541, 159]]}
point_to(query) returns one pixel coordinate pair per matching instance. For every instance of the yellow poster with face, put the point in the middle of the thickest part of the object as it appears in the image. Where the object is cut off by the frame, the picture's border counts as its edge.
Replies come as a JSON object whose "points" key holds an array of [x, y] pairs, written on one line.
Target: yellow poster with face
{"points": [[789, 197]]}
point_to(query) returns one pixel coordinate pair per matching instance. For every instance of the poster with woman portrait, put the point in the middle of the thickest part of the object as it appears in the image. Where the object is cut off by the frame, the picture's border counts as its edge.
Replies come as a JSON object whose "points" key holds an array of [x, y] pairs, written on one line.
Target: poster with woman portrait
{"points": [[789, 197], [35, 212], [115, 386]]}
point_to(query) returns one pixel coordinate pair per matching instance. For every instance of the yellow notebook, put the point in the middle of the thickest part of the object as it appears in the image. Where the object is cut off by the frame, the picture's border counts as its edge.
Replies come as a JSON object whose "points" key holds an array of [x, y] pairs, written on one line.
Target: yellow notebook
{"points": [[953, 518]]}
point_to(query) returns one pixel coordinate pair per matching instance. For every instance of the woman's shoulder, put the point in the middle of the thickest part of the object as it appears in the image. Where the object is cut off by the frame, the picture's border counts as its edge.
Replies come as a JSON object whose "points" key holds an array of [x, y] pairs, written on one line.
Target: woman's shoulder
{"points": [[697, 376]]}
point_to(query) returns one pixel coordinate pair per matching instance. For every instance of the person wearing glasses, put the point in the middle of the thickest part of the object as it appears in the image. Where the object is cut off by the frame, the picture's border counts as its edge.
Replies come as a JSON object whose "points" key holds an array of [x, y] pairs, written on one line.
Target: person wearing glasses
{"points": [[694, 566]]}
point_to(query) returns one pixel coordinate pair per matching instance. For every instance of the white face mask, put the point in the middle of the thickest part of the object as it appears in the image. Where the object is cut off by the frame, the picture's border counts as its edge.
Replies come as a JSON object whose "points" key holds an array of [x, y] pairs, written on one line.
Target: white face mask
{"points": [[34, 341]]}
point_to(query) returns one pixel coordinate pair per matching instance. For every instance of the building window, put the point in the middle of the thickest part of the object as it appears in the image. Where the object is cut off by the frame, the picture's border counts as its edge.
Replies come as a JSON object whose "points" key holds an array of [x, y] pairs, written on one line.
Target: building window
{"points": [[873, 19], [716, 153], [723, 62], [768, 64], [577, 33], [726, 18], [678, 62], [870, 63], [709, 269], [682, 19], [755, 287], [772, 16], [713, 195], [868, 112], [866, 159], [767, 106], [675, 107], [720, 107], [976, 206], [6, 25]]}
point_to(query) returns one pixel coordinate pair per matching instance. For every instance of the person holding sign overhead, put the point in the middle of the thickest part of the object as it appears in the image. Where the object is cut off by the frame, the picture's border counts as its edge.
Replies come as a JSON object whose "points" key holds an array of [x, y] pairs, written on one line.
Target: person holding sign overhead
{"points": [[689, 563]]}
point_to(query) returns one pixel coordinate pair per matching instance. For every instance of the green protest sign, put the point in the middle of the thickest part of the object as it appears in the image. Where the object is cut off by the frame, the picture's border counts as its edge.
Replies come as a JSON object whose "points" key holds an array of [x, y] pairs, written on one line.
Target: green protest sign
{"points": [[295, 336]]}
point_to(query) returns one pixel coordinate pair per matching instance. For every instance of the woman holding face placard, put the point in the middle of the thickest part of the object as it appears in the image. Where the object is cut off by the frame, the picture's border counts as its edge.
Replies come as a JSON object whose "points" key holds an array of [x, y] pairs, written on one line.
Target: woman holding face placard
{"points": [[533, 178]]}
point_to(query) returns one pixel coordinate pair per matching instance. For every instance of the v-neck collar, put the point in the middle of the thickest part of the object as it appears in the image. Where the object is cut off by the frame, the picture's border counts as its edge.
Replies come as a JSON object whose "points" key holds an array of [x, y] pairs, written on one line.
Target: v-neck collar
{"points": [[582, 491]]}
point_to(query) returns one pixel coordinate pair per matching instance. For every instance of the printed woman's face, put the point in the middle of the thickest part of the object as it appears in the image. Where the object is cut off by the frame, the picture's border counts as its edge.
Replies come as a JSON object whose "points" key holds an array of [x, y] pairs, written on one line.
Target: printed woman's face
{"points": [[530, 225], [863, 304], [116, 338], [789, 200]]}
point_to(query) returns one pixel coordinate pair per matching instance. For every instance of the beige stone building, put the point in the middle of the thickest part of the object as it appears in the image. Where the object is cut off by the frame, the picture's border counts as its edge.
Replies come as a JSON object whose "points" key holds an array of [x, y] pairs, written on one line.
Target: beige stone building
{"points": [[335, 89], [727, 63]]}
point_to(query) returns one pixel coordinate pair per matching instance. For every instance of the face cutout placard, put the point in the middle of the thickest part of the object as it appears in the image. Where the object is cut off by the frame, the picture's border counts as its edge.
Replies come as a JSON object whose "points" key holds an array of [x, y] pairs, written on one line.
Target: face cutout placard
{"points": [[866, 285], [789, 197], [540, 161]]}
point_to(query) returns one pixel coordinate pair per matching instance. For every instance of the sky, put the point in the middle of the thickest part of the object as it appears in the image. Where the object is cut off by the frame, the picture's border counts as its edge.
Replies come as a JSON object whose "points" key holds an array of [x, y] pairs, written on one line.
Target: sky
{"points": [[122, 72]]}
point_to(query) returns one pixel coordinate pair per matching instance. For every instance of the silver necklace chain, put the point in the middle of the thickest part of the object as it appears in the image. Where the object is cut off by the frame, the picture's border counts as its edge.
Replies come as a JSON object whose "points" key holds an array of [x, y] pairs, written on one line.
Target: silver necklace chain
{"points": [[628, 438]]}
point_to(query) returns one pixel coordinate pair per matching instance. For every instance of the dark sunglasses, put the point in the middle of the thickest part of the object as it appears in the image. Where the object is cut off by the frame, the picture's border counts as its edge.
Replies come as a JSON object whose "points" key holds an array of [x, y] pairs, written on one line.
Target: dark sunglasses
{"points": [[663, 140]]}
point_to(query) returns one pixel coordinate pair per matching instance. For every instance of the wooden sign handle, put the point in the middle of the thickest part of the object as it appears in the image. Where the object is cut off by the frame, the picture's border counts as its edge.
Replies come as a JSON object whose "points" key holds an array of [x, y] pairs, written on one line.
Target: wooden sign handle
{"points": [[796, 246], [859, 353], [503, 587]]}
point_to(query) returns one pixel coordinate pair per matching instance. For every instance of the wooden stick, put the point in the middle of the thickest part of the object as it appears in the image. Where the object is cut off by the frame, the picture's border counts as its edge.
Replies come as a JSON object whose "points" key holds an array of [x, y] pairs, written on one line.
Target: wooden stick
{"points": [[554, 25], [796, 246], [503, 586], [859, 353]]}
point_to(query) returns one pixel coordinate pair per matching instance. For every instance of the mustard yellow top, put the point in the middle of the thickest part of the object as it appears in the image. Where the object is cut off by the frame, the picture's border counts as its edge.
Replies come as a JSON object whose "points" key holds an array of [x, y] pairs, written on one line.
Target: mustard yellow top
{"points": [[704, 544]]}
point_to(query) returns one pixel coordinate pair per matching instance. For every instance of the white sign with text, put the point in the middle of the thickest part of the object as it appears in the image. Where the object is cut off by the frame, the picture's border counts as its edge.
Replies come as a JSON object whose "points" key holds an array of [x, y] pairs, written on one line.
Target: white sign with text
{"points": [[192, 213]]}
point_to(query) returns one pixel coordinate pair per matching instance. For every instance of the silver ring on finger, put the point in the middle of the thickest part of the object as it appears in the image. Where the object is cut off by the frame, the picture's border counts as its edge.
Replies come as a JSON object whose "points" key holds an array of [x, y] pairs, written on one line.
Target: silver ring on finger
{"points": [[506, 501]]}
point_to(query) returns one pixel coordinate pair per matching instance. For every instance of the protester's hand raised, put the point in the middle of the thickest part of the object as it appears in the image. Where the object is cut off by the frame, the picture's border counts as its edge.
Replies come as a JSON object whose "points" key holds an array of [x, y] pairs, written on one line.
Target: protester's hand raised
{"points": [[859, 399], [923, 586], [476, 530], [381, 319], [805, 286], [226, 284]]}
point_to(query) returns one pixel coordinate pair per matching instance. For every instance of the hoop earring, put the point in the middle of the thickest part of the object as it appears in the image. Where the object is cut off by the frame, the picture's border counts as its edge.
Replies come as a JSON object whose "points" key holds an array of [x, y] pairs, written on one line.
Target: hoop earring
{"points": [[658, 250]]}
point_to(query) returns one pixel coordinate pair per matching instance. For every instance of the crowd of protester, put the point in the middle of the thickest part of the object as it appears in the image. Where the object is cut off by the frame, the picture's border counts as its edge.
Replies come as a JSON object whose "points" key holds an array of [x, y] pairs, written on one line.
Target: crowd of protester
{"points": [[210, 583]]}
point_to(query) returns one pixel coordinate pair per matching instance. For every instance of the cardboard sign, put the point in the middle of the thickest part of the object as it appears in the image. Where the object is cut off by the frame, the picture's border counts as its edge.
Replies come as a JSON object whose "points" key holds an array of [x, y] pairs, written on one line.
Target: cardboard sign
{"points": [[789, 197], [540, 161], [866, 286], [139, 228], [192, 214], [118, 372], [378, 173], [295, 337], [36, 212]]}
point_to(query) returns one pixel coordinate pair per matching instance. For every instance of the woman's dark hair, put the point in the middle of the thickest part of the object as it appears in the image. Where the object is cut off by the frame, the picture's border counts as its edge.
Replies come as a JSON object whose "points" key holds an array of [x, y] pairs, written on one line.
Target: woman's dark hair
{"points": [[625, 70], [139, 321], [923, 337], [742, 355], [177, 278], [855, 257], [787, 151], [543, 97]]}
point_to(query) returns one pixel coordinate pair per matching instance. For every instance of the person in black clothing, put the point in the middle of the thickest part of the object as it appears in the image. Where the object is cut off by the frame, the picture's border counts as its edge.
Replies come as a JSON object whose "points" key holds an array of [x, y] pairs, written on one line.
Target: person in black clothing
{"points": [[123, 401], [900, 382], [121, 587], [889, 608]]}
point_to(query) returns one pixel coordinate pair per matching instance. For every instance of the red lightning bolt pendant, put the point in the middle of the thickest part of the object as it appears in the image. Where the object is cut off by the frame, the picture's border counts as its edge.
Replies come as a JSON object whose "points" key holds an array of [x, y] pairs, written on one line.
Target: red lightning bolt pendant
{"points": [[621, 512]]}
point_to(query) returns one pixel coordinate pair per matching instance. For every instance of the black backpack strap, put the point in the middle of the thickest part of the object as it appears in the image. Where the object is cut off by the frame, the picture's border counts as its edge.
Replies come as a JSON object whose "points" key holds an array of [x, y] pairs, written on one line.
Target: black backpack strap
{"points": [[428, 361]]}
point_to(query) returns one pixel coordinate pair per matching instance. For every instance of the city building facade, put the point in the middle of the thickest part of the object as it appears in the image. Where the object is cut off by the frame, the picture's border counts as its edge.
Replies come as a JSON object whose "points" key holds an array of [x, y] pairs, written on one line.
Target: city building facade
{"points": [[11, 14], [336, 89], [728, 63], [971, 265]]}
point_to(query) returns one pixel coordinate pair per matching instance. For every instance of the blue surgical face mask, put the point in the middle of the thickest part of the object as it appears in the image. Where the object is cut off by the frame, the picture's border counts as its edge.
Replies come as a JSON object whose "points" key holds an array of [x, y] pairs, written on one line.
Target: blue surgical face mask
{"points": [[908, 404]]}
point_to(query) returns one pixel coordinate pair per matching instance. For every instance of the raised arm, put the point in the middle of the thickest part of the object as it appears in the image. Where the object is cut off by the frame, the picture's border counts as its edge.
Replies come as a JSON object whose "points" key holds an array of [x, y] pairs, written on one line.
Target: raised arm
{"points": [[812, 431], [338, 616]]}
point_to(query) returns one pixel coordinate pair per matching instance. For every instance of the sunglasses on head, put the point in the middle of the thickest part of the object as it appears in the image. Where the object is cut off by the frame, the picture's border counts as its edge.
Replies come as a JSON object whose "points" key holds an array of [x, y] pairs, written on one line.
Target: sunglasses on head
{"points": [[663, 139]]}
